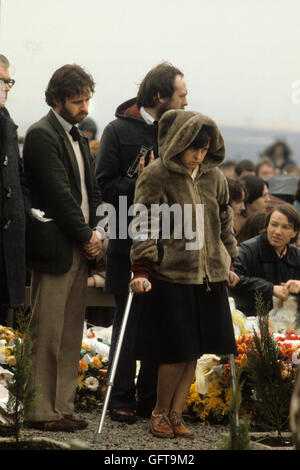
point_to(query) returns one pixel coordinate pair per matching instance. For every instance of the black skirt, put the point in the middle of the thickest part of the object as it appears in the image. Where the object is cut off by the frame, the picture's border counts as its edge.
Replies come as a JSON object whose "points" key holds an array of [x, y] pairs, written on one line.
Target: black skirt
{"points": [[180, 322]]}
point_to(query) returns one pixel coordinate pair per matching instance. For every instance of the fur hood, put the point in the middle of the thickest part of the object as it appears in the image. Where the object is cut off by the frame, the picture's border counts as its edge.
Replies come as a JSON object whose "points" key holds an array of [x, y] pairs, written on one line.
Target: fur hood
{"points": [[176, 131], [166, 183]]}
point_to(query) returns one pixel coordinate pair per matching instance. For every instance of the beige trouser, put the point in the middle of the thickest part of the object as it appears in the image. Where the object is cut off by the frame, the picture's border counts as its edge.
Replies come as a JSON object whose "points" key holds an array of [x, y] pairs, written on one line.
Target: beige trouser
{"points": [[58, 311]]}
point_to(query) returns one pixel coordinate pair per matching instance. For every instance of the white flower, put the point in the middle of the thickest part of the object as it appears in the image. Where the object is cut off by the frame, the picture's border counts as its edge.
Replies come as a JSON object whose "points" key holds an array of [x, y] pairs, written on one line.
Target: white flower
{"points": [[91, 383], [2, 342], [205, 367]]}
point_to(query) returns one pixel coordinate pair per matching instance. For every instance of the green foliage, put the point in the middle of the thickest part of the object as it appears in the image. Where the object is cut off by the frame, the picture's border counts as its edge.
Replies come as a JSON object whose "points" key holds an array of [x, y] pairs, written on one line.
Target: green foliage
{"points": [[238, 437], [271, 391], [22, 397]]}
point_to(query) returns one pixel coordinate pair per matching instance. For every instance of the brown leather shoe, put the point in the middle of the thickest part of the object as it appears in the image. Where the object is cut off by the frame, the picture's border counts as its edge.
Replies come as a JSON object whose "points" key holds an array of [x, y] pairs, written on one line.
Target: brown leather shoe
{"points": [[62, 425], [123, 415], [80, 423], [160, 426], [179, 427]]}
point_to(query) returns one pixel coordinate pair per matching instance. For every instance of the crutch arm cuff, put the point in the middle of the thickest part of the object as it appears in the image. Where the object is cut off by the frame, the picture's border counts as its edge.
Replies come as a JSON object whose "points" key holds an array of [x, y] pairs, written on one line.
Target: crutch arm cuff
{"points": [[141, 269]]}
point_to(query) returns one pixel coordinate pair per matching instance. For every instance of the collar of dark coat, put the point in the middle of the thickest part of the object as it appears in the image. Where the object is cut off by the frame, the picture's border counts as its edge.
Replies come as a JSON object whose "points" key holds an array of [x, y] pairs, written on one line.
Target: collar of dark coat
{"points": [[8, 130], [130, 110], [5, 118], [268, 254], [59, 128]]}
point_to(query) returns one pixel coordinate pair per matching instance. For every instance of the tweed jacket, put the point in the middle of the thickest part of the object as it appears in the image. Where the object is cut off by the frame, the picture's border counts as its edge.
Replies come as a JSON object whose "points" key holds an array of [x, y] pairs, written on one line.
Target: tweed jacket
{"points": [[166, 181], [53, 176]]}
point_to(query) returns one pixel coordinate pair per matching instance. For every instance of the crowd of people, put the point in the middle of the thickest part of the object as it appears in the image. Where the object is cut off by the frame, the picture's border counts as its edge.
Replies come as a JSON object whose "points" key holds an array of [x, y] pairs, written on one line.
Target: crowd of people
{"points": [[154, 152]]}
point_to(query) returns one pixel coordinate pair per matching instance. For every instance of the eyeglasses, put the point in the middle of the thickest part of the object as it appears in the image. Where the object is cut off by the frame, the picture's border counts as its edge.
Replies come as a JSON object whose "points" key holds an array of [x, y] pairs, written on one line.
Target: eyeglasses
{"points": [[10, 82]]}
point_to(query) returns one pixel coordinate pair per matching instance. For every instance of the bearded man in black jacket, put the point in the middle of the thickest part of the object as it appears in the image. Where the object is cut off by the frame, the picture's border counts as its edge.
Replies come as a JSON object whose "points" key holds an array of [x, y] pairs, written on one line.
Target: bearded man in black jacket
{"points": [[61, 240], [125, 143]]}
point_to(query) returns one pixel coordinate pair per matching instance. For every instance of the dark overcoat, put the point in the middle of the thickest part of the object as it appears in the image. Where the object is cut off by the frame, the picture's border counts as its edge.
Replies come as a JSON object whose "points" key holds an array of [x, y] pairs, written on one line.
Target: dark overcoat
{"points": [[121, 142], [12, 215], [259, 269]]}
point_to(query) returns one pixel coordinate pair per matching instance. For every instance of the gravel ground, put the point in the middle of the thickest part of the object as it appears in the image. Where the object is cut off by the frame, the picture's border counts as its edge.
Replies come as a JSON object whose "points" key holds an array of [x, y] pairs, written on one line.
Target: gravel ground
{"points": [[121, 436]]}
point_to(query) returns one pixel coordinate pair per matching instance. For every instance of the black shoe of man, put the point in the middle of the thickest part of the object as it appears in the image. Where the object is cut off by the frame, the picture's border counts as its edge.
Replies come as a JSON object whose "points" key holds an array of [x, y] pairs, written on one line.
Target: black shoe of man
{"points": [[123, 415]]}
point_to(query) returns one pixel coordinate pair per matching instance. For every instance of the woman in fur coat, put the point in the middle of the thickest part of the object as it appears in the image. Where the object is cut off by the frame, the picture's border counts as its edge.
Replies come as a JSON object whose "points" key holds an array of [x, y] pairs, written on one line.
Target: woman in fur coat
{"points": [[182, 264]]}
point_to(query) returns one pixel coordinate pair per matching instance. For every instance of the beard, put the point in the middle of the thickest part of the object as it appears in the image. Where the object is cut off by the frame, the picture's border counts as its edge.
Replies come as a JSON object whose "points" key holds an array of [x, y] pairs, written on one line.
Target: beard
{"points": [[72, 119]]}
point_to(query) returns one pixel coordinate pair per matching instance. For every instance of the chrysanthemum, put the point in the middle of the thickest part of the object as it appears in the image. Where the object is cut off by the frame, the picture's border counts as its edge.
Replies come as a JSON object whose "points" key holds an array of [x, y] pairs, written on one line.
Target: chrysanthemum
{"points": [[91, 383], [82, 367], [95, 363]]}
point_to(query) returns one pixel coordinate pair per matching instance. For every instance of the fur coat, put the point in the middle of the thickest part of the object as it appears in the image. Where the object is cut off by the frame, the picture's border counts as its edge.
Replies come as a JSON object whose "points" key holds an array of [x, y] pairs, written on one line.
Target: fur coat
{"points": [[166, 181]]}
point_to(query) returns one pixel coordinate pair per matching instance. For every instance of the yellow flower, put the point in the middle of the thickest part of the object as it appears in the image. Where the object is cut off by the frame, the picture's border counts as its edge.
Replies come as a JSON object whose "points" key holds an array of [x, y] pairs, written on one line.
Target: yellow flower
{"points": [[11, 361], [2, 354], [83, 367], [80, 381], [95, 363]]}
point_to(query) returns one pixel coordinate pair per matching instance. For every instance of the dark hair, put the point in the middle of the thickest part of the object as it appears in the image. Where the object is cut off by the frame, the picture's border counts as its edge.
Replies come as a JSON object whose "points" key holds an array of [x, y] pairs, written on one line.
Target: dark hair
{"points": [[254, 225], [244, 165], [254, 186], [237, 190], [66, 82], [291, 214], [202, 139], [4, 61], [269, 151], [160, 80]]}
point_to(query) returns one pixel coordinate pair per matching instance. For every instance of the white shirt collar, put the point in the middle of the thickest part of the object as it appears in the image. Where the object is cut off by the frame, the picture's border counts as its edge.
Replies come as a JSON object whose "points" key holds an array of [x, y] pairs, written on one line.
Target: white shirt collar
{"points": [[65, 124], [146, 116]]}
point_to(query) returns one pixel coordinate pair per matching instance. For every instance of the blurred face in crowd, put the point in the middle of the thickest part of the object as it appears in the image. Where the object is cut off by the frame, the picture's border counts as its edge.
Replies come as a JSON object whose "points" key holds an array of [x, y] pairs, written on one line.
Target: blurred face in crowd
{"points": [[279, 231], [247, 172], [266, 171], [4, 87], [260, 204], [238, 206], [75, 109], [229, 172]]}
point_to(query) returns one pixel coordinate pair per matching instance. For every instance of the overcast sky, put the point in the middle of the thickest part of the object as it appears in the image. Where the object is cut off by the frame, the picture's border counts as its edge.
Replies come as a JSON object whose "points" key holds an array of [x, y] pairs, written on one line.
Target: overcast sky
{"points": [[240, 58]]}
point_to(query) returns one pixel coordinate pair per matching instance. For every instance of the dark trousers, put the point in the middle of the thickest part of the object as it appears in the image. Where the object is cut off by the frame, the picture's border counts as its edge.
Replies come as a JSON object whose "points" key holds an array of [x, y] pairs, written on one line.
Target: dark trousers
{"points": [[125, 392]]}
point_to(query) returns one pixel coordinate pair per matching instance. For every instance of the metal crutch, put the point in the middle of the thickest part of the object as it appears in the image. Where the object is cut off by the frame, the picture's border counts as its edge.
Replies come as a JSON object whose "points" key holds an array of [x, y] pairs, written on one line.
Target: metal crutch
{"points": [[233, 376], [114, 365], [233, 382]]}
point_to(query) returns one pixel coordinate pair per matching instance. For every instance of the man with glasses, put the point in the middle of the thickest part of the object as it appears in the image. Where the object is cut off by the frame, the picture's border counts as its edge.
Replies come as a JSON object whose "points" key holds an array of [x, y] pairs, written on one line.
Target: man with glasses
{"points": [[12, 212]]}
